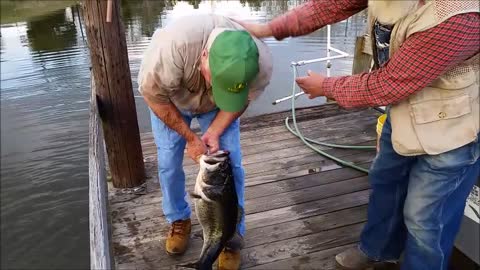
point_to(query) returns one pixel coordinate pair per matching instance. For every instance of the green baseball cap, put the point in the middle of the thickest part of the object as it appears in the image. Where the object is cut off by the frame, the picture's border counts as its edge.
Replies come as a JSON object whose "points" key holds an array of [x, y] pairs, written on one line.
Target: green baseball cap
{"points": [[233, 61]]}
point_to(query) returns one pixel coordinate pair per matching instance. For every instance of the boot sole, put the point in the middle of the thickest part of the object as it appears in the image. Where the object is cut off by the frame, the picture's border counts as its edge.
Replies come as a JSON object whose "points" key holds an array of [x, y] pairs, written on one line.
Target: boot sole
{"points": [[174, 253]]}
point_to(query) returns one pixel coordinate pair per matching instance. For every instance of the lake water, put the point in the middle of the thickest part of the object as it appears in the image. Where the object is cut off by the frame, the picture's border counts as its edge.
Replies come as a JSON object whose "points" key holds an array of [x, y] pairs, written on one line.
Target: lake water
{"points": [[44, 113]]}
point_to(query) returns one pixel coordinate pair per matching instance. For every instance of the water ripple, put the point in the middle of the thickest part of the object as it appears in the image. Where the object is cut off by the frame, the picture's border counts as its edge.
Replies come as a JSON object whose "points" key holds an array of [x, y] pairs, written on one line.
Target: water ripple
{"points": [[45, 91]]}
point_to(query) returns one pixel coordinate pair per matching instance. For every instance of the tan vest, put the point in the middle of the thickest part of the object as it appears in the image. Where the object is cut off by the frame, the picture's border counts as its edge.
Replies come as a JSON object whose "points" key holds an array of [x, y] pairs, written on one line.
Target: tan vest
{"points": [[444, 115]]}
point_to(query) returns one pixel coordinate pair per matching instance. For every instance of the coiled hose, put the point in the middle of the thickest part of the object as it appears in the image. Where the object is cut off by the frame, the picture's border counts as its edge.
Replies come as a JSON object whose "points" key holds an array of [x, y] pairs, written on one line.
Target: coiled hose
{"points": [[308, 142]]}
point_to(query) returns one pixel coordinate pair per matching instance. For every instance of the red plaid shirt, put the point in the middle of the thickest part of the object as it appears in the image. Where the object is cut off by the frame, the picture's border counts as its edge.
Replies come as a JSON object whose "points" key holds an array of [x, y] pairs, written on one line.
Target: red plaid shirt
{"points": [[420, 60]]}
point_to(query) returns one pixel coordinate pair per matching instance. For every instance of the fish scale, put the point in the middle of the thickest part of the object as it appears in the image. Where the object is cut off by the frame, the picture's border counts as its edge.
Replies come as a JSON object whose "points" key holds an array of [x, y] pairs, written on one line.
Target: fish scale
{"points": [[216, 207]]}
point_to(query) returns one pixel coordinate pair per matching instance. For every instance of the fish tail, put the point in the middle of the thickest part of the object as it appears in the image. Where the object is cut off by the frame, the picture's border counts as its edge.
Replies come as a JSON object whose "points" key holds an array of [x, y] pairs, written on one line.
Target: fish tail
{"points": [[209, 255], [194, 265]]}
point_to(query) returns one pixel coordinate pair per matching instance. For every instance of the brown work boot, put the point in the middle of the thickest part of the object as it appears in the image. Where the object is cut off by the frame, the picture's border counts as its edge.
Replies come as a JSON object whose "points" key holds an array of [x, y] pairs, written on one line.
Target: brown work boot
{"points": [[178, 236], [354, 259], [229, 259]]}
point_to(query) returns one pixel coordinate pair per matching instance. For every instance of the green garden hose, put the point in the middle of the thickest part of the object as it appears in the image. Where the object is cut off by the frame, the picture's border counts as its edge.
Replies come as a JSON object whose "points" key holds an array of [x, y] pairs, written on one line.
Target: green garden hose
{"points": [[308, 141]]}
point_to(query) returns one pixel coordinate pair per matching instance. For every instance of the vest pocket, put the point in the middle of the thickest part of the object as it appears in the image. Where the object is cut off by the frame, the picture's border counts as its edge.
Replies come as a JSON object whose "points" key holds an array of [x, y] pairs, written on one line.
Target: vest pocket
{"points": [[444, 124], [437, 110]]}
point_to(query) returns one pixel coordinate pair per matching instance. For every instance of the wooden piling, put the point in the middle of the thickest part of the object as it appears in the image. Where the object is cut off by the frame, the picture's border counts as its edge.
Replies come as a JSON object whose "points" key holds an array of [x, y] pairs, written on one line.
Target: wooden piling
{"points": [[111, 71], [362, 57]]}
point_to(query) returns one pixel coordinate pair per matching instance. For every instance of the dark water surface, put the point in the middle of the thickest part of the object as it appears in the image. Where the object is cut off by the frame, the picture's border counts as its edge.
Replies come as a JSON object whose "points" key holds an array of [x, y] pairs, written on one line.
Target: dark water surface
{"points": [[44, 113]]}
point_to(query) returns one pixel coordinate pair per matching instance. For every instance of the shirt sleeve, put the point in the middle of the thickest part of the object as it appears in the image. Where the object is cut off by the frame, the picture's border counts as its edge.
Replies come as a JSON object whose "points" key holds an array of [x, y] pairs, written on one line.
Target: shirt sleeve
{"points": [[314, 15], [421, 59], [161, 72]]}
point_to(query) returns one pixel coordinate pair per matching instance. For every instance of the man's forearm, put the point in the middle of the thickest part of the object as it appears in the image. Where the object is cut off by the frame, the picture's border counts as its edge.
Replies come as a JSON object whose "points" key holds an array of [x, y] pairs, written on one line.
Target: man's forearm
{"points": [[170, 115], [420, 60], [223, 120], [313, 15]]}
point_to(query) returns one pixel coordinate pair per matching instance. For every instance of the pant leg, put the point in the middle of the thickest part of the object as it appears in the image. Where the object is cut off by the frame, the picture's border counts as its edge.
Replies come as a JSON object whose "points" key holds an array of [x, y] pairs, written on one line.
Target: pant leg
{"points": [[383, 236], [230, 140], [170, 151], [439, 186]]}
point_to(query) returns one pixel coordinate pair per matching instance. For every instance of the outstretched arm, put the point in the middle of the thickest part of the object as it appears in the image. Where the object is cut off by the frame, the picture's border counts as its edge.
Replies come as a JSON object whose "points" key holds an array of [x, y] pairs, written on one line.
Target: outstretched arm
{"points": [[420, 60], [307, 18]]}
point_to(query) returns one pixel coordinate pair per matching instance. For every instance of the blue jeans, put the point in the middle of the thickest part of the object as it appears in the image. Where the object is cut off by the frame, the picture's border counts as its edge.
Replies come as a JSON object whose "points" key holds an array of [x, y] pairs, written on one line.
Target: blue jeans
{"points": [[382, 41], [417, 203], [170, 150]]}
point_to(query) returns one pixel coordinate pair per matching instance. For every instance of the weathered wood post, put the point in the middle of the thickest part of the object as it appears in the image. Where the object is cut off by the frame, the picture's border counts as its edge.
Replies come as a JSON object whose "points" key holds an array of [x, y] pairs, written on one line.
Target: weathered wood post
{"points": [[362, 57], [111, 71]]}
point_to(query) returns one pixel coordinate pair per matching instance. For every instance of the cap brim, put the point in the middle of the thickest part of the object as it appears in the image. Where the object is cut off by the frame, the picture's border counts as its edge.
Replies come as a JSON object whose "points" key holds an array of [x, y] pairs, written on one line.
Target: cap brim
{"points": [[229, 101]]}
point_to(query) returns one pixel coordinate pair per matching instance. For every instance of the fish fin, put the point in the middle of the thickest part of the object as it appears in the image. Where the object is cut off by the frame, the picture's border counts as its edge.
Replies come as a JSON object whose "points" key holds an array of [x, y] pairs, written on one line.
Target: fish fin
{"points": [[235, 243], [195, 195]]}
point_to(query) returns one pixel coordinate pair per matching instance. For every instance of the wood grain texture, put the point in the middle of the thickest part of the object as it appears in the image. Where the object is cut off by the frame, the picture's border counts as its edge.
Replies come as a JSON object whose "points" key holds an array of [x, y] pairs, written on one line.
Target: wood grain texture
{"points": [[301, 208], [362, 59], [101, 255], [116, 105]]}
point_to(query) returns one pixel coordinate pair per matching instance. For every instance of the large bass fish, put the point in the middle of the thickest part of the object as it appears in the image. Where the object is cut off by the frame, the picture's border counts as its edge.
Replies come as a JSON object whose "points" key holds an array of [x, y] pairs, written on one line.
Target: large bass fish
{"points": [[216, 206]]}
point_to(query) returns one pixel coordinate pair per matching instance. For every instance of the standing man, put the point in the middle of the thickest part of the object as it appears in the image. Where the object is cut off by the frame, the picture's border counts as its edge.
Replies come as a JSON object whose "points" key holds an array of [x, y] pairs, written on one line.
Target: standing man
{"points": [[206, 67], [426, 62]]}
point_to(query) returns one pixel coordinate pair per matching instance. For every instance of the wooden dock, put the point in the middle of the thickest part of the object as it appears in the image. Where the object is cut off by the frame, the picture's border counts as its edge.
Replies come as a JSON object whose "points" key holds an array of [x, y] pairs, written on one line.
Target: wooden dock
{"points": [[301, 208]]}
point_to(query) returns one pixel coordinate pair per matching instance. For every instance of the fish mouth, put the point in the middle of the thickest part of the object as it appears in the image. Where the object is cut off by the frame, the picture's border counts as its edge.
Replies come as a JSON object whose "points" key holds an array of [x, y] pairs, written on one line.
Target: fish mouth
{"points": [[215, 158]]}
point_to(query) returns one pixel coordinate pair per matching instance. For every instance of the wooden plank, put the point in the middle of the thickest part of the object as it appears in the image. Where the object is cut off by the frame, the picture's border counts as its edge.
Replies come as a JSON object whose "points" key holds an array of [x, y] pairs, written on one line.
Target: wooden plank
{"points": [[283, 158], [308, 163], [312, 163], [331, 130], [283, 138], [140, 214], [294, 199], [319, 124], [283, 173], [155, 228], [300, 245], [252, 192], [324, 260], [367, 45], [101, 256], [267, 188], [305, 195], [108, 53], [308, 168], [301, 227], [146, 209], [333, 134], [311, 113], [255, 238], [267, 253]]}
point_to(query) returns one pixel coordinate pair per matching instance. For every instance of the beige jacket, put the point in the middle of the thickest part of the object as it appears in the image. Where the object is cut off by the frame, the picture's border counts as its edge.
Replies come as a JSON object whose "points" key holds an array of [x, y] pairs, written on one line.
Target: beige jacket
{"points": [[170, 66], [444, 115]]}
